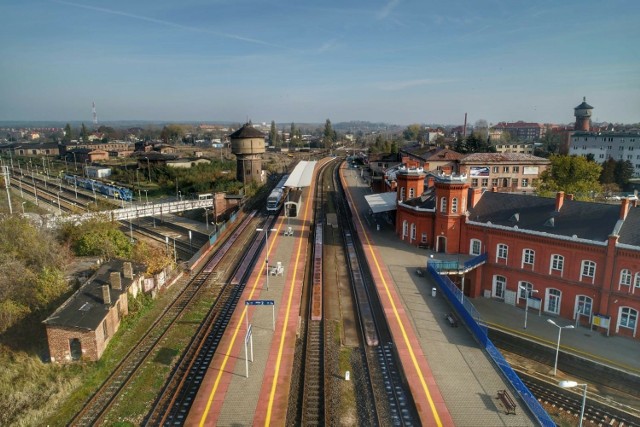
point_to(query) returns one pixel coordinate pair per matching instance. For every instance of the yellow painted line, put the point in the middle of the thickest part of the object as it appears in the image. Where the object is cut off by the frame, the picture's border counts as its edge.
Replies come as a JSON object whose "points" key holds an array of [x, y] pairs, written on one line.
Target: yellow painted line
{"points": [[571, 349], [414, 360], [272, 393], [239, 326]]}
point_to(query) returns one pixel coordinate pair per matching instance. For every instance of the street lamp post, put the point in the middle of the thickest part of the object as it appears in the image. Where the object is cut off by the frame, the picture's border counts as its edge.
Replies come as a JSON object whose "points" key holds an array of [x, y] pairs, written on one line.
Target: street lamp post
{"points": [[527, 293], [266, 256], [59, 208], [560, 328], [571, 384], [23, 207], [146, 195]]}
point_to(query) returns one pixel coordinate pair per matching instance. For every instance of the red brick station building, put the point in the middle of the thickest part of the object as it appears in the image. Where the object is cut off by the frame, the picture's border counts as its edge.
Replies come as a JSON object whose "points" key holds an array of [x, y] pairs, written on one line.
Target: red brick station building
{"points": [[576, 260]]}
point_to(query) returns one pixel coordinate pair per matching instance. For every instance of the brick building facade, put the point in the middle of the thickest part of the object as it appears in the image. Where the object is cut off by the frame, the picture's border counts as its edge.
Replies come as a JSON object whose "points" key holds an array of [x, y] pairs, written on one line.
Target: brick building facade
{"points": [[82, 326], [580, 259]]}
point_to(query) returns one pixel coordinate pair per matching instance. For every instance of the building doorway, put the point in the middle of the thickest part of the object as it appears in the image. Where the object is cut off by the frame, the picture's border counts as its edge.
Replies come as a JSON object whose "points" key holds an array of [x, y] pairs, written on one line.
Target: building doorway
{"points": [[76, 348], [441, 244]]}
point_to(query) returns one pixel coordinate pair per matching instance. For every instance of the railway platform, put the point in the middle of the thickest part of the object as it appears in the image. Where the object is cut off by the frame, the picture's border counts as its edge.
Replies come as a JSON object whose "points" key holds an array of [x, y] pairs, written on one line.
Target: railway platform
{"points": [[451, 363], [227, 396]]}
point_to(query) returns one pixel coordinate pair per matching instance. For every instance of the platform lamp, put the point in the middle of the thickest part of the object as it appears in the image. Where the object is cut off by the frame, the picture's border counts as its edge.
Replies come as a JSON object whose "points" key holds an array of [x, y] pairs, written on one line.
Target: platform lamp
{"points": [[560, 328], [571, 384], [266, 256], [527, 293]]}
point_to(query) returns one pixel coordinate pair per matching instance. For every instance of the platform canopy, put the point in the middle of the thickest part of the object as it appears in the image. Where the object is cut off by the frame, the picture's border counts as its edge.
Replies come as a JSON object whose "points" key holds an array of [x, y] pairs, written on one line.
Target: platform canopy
{"points": [[382, 202], [301, 175]]}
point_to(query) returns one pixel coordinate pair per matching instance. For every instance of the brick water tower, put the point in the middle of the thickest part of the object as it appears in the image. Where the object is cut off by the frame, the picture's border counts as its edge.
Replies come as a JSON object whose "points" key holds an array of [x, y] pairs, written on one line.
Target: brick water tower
{"points": [[247, 143], [583, 116]]}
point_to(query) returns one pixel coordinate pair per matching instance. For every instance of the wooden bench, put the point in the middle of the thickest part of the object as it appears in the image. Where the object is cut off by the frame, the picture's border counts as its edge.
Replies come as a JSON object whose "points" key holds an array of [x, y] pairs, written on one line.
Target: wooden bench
{"points": [[507, 401], [451, 319]]}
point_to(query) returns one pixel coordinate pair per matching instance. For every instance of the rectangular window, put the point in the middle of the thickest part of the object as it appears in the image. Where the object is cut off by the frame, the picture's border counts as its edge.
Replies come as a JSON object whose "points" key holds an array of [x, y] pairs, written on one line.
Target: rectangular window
{"points": [[494, 182], [528, 256], [525, 182], [475, 247], [474, 182], [516, 169], [502, 252], [588, 270], [505, 169], [485, 182], [424, 238], [495, 169]]}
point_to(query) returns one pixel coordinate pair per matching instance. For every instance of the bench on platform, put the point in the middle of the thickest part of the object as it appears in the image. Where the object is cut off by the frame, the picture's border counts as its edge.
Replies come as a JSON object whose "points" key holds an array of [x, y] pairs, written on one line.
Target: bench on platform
{"points": [[507, 401], [451, 319]]}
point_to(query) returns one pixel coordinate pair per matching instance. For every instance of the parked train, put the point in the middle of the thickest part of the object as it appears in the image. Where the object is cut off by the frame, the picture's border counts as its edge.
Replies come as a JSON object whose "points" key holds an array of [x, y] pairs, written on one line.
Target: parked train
{"points": [[276, 198], [109, 190]]}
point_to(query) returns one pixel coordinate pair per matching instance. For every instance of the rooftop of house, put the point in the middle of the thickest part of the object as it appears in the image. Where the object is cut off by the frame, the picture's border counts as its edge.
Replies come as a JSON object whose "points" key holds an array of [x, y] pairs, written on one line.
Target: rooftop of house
{"points": [[247, 131], [503, 157], [86, 309]]}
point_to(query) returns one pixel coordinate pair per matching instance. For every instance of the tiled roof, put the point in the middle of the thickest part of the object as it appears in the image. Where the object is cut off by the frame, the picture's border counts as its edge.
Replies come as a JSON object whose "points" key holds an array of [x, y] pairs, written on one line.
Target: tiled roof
{"points": [[585, 220], [630, 230], [433, 154], [517, 125], [503, 157]]}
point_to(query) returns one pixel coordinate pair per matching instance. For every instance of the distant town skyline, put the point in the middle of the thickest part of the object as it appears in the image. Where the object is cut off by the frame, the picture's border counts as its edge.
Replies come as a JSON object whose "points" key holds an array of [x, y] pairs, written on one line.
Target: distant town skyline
{"points": [[392, 61]]}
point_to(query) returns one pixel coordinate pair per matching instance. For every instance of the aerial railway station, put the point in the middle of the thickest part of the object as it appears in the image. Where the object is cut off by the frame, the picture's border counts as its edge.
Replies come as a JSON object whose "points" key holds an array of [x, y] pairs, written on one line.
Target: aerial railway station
{"points": [[257, 392]]}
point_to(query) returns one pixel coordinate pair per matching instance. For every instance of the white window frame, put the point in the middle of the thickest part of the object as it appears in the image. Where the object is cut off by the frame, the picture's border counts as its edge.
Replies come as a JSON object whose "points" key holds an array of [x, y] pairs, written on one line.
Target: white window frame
{"points": [[522, 293], [413, 231], [423, 238], [454, 205], [471, 247], [588, 270], [405, 228], [443, 204], [528, 257], [625, 278], [498, 291], [556, 264], [553, 300], [583, 301], [402, 194], [628, 319], [636, 283], [502, 252]]}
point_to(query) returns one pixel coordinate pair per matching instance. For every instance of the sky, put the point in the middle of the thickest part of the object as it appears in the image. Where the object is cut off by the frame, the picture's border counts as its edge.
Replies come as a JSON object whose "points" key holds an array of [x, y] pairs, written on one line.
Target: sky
{"points": [[392, 61]]}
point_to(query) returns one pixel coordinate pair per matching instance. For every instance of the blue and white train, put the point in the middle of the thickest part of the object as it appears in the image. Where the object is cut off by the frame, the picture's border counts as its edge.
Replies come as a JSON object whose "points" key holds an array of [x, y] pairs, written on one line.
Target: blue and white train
{"points": [[276, 198], [109, 190]]}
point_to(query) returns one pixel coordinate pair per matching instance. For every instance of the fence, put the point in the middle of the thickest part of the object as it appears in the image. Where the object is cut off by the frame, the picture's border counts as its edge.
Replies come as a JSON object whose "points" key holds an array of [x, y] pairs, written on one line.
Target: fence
{"points": [[471, 317]]}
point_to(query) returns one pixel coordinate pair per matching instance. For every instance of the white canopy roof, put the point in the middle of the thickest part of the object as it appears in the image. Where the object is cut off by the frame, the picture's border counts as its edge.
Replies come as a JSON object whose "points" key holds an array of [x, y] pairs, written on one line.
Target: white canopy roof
{"points": [[382, 202], [301, 175]]}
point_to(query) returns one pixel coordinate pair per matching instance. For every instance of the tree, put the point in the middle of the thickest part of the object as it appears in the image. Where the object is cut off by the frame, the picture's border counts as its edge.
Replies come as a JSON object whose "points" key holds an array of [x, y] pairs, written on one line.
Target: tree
{"points": [[329, 135], [551, 143], [411, 132], [623, 172], [84, 134], [68, 135], [171, 133], [571, 174], [607, 175], [481, 130]]}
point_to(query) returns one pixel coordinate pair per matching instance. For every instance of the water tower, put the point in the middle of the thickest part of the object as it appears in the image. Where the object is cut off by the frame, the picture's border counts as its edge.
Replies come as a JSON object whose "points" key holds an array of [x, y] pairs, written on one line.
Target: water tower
{"points": [[583, 116], [247, 143]]}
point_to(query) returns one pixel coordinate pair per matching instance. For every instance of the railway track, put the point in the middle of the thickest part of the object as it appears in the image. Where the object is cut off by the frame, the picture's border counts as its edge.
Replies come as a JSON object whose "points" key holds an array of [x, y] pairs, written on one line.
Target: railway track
{"points": [[173, 404], [393, 402], [313, 398], [102, 400]]}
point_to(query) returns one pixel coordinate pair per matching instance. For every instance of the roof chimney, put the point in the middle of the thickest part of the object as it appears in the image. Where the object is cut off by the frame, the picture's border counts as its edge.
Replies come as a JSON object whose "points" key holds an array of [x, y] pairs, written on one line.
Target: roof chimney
{"points": [[624, 208], [116, 281], [127, 270], [634, 202], [494, 189], [559, 200], [106, 294]]}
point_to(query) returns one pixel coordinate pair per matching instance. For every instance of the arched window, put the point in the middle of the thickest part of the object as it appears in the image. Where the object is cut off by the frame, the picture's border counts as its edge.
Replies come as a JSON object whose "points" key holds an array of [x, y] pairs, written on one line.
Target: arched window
{"points": [[502, 252], [454, 205], [553, 300], [524, 290], [625, 278], [583, 306], [401, 193], [588, 270], [557, 263], [443, 205], [413, 232], [412, 192], [499, 285], [628, 318], [405, 228], [528, 257]]}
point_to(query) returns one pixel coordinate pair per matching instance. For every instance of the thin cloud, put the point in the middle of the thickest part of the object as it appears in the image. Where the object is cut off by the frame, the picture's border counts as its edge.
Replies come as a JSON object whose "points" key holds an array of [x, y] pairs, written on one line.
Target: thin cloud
{"points": [[399, 85], [167, 23], [387, 9]]}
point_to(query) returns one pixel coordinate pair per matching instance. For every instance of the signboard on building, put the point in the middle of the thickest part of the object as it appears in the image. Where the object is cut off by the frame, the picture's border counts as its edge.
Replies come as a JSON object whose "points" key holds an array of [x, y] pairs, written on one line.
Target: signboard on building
{"points": [[530, 170]]}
